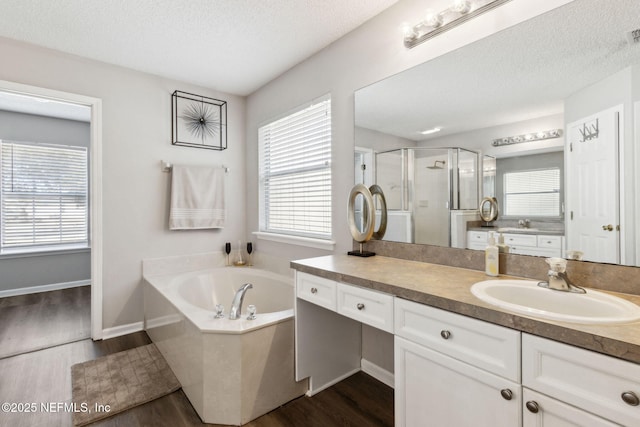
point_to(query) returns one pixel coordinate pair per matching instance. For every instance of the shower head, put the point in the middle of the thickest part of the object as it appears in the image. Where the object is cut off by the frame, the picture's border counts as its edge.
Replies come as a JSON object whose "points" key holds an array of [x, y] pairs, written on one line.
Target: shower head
{"points": [[435, 165]]}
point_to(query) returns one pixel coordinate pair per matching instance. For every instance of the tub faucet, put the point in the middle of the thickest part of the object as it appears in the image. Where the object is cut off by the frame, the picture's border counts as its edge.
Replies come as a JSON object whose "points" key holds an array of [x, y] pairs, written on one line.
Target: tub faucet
{"points": [[236, 305], [558, 279]]}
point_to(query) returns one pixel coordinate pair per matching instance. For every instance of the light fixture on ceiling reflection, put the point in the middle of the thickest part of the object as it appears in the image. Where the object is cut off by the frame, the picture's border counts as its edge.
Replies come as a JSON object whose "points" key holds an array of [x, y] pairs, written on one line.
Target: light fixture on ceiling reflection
{"points": [[435, 23], [430, 131], [528, 137]]}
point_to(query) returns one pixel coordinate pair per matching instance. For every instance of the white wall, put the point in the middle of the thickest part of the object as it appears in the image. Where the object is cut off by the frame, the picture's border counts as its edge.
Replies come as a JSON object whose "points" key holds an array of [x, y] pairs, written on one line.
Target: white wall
{"points": [[136, 137]]}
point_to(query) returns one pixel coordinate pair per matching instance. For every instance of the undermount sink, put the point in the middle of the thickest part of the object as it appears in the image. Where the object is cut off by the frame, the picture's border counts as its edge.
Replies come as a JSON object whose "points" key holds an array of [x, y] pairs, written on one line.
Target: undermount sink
{"points": [[517, 229], [526, 297]]}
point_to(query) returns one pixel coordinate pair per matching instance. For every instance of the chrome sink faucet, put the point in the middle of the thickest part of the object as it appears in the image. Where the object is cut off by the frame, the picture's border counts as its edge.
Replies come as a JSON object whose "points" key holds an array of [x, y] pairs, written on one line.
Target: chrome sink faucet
{"points": [[524, 223], [236, 305], [558, 279]]}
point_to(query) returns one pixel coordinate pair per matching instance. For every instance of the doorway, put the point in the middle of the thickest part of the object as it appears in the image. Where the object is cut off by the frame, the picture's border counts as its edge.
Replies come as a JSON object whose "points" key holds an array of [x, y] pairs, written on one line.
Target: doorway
{"points": [[94, 106]]}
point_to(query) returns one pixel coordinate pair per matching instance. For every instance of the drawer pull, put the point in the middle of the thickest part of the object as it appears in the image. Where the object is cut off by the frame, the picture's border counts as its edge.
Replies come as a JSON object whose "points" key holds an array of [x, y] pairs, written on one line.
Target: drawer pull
{"points": [[445, 334], [506, 394], [532, 406], [630, 398], [314, 290], [360, 306]]}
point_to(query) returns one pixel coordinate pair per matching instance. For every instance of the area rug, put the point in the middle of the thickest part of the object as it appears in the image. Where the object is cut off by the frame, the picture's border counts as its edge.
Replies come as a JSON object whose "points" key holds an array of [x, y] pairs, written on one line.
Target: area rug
{"points": [[111, 384]]}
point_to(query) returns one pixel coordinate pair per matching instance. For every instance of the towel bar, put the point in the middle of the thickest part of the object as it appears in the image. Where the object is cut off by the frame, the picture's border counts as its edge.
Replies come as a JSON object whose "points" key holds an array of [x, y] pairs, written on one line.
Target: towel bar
{"points": [[167, 166]]}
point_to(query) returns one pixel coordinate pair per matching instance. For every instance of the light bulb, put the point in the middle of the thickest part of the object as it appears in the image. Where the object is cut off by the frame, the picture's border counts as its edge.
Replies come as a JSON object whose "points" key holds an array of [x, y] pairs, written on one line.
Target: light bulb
{"points": [[461, 6], [432, 19], [408, 33]]}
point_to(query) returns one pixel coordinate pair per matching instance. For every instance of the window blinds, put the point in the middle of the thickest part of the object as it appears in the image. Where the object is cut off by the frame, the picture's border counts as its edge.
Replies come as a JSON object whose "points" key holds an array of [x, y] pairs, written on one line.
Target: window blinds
{"points": [[43, 195], [532, 193], [295, 173]]}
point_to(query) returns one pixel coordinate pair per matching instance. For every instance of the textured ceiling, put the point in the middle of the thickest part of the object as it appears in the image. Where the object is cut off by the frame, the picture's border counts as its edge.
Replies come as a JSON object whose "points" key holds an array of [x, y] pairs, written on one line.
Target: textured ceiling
{"points": [[234, 46], [521, 73]]}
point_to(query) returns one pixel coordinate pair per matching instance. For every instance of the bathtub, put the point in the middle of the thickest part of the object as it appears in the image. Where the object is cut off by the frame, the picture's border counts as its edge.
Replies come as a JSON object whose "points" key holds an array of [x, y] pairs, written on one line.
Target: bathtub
{"points": [[232, 371]]}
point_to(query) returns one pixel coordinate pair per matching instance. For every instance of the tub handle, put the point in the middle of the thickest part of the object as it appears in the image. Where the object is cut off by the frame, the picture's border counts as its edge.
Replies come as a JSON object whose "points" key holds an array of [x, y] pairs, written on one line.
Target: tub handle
{"points": [[219, 311], [251, 311], [314, 290]]}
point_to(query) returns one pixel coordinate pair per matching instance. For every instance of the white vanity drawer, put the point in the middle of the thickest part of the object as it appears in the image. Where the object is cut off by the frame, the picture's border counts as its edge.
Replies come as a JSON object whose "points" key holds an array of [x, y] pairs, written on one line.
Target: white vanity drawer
{"points": [[366, 306], [521, 239], [317, 290], [588, 380], [490, 347], [549, 241], [477, 236]]}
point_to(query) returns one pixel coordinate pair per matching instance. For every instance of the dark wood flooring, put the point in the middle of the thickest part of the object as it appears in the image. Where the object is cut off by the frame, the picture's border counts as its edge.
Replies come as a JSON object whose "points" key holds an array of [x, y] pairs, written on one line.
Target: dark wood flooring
{"points": [[44, 376], [36, 321]]}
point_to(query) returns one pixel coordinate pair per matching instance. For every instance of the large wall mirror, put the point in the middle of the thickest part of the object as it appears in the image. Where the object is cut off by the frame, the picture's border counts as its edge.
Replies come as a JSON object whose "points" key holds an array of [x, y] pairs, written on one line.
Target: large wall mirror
{"points": [[543, 116]]}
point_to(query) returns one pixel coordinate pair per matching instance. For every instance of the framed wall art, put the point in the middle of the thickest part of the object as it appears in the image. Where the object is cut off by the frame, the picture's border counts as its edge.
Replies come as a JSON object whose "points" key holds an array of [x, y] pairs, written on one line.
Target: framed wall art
{"points": [[198, 121]]}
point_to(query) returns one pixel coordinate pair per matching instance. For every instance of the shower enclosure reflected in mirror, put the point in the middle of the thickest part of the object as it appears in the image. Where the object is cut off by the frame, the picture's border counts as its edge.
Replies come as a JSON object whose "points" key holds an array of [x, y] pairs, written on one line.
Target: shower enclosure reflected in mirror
{"points": [[574, 68], [429, 192]]}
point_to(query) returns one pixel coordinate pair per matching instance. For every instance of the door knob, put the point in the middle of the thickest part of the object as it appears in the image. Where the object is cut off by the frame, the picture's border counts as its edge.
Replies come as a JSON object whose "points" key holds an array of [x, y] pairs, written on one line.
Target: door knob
{"points": [[608, 227]]}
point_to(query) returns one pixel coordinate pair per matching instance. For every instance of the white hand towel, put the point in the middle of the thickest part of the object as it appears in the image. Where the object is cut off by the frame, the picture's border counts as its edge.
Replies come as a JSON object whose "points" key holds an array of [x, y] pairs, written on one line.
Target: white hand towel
{"points": [[197, 197]]}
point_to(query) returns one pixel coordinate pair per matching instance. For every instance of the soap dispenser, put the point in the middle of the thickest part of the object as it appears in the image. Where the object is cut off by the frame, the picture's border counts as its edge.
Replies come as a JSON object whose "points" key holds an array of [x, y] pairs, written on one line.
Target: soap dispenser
{"points": [[502, 247], [491, 257]]}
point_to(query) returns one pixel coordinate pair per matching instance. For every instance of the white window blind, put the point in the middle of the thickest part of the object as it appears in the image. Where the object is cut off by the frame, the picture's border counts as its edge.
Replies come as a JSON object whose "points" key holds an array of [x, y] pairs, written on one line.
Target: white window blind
{"points": [[295, 173], [532, 193], [43, 195]]}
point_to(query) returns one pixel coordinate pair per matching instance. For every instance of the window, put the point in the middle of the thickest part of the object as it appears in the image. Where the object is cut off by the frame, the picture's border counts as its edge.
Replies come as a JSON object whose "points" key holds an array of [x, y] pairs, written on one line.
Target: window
{"points": [[295, 173], [43, 197], [532, 191]]}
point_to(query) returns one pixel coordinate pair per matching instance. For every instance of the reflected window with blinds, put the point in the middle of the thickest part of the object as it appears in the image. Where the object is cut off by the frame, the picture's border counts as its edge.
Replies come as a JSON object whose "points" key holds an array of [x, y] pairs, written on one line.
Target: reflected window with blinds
{"points": [[534, 193], [295, 172], [43, 197]]}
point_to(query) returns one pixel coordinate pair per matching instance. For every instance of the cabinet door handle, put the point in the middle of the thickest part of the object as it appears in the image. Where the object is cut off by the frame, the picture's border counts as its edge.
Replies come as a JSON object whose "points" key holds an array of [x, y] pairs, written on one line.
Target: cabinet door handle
{"points": [[445, 334], [314, 290], [630, 398], [360, 306], [506, 394], [532, 406]]}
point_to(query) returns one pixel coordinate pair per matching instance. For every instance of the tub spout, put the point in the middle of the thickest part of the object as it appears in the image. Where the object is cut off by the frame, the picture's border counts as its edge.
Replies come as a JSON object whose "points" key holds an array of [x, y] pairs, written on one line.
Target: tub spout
{"points": [[236, 305]]}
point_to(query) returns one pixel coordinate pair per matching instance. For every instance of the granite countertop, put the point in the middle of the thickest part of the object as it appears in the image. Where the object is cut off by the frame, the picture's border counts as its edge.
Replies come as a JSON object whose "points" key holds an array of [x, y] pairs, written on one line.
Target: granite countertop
{"points": [[449, 288], [515, 230]]}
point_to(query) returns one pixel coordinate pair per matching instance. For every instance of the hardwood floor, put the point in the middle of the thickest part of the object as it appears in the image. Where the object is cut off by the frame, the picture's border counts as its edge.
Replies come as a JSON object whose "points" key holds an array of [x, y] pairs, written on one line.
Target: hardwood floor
{"points": [[37, 321], [44, 377]]}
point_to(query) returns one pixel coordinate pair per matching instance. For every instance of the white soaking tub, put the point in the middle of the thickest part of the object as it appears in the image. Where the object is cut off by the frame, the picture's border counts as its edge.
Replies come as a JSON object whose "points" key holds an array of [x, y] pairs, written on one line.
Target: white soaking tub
{"points": [[232, 371]]}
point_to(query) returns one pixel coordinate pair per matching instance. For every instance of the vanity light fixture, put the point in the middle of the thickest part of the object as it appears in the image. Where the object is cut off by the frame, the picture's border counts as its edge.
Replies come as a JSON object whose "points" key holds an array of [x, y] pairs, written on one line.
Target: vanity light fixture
{"points": [[528, 137], [435, 23]]}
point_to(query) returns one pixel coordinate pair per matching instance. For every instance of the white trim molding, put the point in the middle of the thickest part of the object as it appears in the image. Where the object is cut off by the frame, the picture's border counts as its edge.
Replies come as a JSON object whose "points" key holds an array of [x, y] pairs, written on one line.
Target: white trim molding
{"points": [[377, 372], [118, 331], [43, 288], [328, 245]]}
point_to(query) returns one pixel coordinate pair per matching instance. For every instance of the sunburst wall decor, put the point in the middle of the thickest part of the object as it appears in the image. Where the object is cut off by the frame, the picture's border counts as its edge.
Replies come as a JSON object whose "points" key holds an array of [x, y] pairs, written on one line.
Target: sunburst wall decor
{"points": [[198, 121]]}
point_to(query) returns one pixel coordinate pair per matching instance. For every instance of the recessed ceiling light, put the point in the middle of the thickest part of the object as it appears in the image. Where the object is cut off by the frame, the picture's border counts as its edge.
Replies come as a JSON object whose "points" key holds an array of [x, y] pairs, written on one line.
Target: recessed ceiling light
{"points": [[430, 131]]}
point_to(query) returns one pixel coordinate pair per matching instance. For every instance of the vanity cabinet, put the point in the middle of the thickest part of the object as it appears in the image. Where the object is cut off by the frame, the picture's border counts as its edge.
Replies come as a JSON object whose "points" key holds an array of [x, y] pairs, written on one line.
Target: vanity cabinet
{"points": [[590, 382], [451, 370], [521, 244]]}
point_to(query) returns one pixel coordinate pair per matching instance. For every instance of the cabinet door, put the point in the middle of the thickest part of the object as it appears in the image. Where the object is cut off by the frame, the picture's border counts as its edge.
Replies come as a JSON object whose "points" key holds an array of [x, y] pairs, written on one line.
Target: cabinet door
{"points": [[436, 390], [543, 411]]}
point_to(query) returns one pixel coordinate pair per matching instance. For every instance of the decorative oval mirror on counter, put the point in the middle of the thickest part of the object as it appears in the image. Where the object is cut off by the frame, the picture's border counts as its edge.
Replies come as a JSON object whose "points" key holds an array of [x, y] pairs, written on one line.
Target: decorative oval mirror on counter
{"points": [[489, 209], [362, 228]]}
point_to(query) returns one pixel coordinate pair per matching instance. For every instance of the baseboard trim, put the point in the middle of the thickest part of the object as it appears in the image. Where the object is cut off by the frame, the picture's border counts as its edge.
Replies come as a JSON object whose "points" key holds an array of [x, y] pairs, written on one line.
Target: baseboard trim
{"points": [[377, 372], [313, 390], [118, 331], [43, 288]]}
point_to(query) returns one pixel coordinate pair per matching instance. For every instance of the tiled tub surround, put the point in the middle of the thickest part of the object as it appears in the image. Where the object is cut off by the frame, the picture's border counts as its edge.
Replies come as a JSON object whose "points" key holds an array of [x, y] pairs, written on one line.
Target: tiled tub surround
{"points": [[232, 371], [448, 288]]}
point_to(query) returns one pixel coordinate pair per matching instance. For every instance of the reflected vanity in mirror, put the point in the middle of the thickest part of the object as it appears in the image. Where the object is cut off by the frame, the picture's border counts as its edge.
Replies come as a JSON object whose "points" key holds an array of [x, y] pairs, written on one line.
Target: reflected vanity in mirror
{"points": [[540, 116]]}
